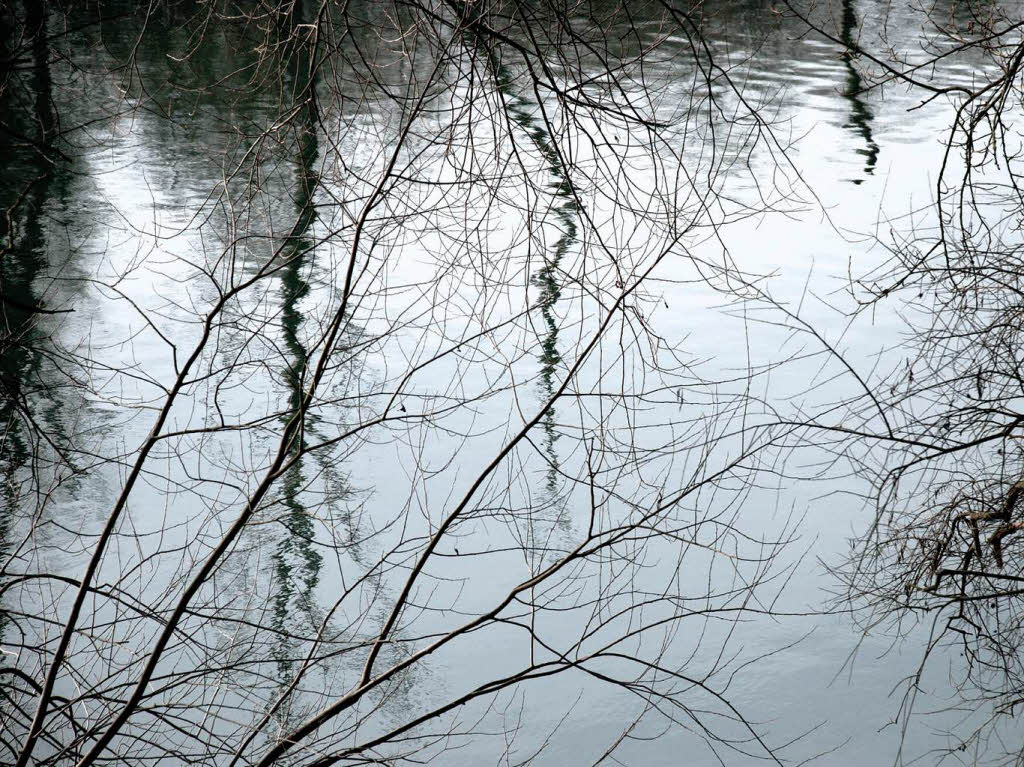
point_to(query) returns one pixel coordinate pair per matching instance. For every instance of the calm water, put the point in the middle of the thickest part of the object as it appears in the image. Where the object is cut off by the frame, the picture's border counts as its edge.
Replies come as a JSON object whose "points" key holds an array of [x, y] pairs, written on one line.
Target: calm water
{"points": [[172, 195]]}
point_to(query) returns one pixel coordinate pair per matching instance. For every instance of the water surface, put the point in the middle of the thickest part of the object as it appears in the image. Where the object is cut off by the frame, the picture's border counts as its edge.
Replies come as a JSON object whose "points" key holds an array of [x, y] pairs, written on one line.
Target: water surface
{"points": [[184, 178]]}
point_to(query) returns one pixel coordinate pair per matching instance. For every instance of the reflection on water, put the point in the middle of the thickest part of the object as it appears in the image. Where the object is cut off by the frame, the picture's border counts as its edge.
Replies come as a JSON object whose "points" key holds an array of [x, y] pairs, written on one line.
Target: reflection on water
{"points": [[38, 176], [297, 563], [861, 117], [24, 247], [546, 278]]}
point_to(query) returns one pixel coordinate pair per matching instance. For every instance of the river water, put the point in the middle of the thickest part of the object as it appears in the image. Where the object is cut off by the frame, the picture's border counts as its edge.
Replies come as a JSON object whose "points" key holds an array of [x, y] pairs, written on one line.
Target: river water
{"points": [[183, 176]]}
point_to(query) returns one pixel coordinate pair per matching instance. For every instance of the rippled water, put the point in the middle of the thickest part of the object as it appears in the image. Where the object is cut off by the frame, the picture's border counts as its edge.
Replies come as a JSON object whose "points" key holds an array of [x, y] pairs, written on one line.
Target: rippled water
{"points": [[149, 205]]}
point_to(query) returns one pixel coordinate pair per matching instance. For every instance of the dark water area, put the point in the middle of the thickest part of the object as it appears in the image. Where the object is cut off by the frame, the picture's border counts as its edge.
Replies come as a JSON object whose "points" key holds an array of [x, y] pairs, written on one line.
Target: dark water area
{"points": [[321, 323]]}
